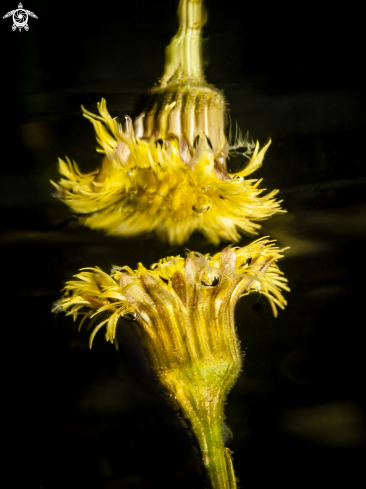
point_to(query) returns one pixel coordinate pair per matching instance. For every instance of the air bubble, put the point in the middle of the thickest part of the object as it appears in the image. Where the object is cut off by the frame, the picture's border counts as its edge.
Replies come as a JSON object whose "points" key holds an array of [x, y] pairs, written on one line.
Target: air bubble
{"points": [[201, 209], [160, 142], [248, 261], [202, 205], [131, 316], [214, 282]]}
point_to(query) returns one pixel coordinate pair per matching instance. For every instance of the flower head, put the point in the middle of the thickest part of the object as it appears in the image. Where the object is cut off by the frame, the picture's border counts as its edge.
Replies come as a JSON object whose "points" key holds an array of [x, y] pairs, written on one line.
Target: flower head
{"points": [[168, 290], [183, 310], [165, 170], [164, 183]]}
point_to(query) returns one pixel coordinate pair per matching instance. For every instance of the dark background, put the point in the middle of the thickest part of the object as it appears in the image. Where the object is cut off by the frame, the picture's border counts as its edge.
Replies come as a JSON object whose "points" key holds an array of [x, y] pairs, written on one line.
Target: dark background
{"points": [[96, 419]]}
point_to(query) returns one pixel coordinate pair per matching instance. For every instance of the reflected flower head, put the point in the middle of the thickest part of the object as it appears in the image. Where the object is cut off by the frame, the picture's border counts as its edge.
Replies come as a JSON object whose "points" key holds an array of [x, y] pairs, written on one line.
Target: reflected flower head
{"points": [[165, 169], [167, 173]]}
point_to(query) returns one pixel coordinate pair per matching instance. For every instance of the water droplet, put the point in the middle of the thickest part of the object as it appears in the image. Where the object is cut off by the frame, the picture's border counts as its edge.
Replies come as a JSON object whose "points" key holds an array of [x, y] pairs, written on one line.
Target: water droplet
{"points": [[238, 178], [248, 261], [197, 139], [124, 124], [131, 316], [215, 280], [200, 209], [159, 141]]}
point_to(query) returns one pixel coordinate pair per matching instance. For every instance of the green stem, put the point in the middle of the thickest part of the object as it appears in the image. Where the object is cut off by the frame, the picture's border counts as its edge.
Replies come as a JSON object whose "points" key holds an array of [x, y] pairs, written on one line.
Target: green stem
{"points": [[216, 457], [184, 54], [200, 390]]}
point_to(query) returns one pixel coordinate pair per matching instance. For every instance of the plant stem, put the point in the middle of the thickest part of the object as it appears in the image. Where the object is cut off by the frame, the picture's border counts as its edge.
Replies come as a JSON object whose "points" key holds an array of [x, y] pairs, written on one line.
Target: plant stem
{"points": [[216, 457], [200, 391], [184, 53]]}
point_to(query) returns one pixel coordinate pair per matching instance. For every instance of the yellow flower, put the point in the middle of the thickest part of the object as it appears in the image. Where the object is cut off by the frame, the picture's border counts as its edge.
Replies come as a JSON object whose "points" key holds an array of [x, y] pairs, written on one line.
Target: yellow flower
{"points": [[165, 170], [184, 313], [144, 185]]}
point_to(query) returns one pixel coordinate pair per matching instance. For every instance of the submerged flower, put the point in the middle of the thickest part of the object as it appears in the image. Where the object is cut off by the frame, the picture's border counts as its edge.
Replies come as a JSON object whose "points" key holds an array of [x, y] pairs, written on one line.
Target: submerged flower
{"points": [[165, 170], [184, 313]]}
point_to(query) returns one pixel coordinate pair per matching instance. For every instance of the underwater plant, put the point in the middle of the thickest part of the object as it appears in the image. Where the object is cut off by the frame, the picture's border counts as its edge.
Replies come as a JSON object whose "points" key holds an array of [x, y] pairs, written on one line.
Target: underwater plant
{"points": [[183, 311], [165, 169]]}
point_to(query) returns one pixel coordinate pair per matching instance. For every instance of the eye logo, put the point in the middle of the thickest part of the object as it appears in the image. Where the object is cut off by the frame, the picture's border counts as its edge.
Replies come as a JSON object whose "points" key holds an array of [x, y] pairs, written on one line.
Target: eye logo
{"points": [[20, 17]]}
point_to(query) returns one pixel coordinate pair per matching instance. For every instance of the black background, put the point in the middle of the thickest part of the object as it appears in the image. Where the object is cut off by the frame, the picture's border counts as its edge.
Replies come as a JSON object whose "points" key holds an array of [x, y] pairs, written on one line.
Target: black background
{"points": [[95, 419]]}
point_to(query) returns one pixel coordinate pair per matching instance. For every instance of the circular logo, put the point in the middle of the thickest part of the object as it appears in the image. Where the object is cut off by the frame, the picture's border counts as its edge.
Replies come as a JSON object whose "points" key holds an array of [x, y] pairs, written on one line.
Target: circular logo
{"points": [[20, 17]]}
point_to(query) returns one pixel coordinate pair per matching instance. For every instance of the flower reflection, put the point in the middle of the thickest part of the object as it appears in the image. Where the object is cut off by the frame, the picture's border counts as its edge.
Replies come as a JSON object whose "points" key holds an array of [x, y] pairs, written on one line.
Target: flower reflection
{"points": [[165, 169]]}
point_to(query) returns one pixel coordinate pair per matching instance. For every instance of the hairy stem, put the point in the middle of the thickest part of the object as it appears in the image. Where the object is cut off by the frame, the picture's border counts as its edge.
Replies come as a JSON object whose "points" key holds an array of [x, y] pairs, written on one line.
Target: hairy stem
{"points": [[200, 390]]}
